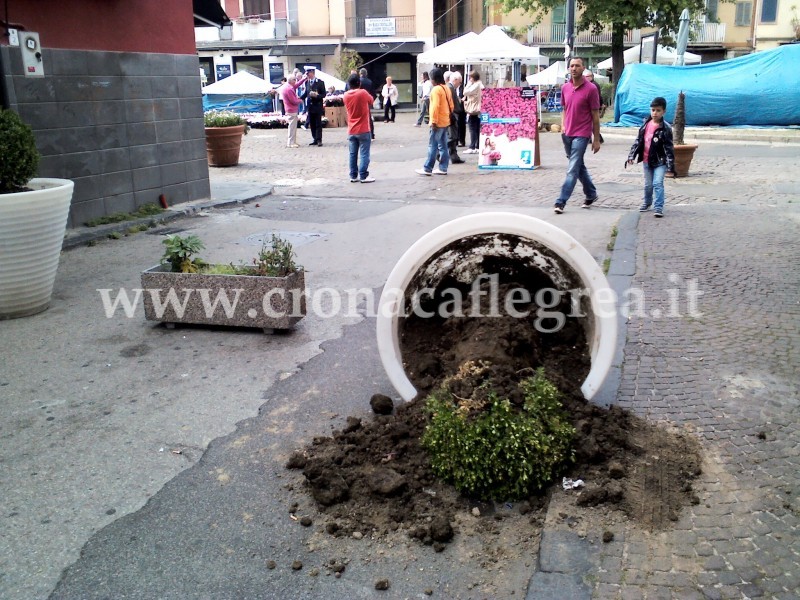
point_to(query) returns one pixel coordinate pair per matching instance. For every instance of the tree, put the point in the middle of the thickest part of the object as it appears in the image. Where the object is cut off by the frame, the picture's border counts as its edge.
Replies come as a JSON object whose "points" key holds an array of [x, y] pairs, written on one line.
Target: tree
{"points": [[348, 60], [621, 15]]}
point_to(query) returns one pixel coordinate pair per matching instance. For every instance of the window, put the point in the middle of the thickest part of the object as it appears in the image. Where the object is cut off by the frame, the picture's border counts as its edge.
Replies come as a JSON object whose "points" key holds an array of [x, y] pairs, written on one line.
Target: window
{"points": [[256, 8], [769, 11], [560, 14], [744, 11], [371, 8], [711, 11]]}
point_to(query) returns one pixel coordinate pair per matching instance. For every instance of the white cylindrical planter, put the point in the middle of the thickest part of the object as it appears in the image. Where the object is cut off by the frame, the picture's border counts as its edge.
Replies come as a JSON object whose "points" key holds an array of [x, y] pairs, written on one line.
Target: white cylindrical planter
{"points": [[600, 325], [32, 226]]}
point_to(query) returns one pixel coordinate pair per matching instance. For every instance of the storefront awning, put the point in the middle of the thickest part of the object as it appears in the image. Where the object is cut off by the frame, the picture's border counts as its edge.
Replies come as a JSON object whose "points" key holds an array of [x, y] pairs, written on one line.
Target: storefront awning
{"points": [[386, 47], [303, 50], [209, 13]]}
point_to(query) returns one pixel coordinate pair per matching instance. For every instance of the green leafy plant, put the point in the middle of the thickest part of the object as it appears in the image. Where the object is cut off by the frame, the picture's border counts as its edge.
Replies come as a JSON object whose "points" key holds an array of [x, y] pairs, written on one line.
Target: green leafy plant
{"points": [[146, 210], [491, 448], [19, 157], [179, 253], [348, 60], [222, 118], [275, 259]]}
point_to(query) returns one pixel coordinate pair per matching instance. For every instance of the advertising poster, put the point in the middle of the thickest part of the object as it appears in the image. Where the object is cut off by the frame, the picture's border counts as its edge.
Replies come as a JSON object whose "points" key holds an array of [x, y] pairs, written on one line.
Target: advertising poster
{"points": [[508, 128], [223, 71]]}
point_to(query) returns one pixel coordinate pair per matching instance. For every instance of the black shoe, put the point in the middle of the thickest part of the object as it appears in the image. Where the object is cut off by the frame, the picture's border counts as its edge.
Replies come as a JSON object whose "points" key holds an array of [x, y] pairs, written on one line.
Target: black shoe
{"points": [[313, 144], [558, 209], [456, 160], [588, 202], [319, 144], [373, 137]]}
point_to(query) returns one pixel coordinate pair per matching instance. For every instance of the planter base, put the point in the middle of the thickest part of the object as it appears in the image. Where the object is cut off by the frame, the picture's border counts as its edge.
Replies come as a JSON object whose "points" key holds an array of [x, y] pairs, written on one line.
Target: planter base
{"points": [[683, 158], [267, 303]]}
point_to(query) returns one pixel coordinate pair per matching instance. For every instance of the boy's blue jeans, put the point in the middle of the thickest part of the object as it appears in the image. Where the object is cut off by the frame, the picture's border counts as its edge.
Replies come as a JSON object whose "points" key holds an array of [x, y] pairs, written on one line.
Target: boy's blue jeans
{"points": [[575, 147], [359, 153], [437, 142], [654, 182]]}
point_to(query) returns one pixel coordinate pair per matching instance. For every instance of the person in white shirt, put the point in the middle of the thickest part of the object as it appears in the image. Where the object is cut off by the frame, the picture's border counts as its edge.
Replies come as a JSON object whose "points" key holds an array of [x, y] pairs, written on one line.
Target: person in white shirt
{"points": [[390, 94], [425, 94]]}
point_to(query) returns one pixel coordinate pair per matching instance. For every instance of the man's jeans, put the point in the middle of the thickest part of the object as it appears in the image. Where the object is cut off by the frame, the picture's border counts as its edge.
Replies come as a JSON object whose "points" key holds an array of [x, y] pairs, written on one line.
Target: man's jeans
{"points": [[654, 180], [437, 142], [575, 147], [359, 152]]}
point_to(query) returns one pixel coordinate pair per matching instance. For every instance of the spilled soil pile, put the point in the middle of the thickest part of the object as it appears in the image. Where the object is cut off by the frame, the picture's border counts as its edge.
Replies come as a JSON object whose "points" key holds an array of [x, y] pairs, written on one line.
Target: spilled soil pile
{"points": [[374, 477]]}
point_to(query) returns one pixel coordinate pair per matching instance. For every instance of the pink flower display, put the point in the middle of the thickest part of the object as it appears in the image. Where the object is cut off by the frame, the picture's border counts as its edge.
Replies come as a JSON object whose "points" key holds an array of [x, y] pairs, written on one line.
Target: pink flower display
{"points": [[507, 103], [495, 155]]}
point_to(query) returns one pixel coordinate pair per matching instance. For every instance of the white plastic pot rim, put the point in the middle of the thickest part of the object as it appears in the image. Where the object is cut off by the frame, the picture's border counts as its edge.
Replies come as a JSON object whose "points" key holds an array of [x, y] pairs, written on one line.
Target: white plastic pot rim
{"points": [[603, 301]]}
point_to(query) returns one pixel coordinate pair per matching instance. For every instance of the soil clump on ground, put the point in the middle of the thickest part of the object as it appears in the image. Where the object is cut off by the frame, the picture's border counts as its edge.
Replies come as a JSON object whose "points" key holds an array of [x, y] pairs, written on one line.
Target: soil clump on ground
{"points": [[373, 477]]}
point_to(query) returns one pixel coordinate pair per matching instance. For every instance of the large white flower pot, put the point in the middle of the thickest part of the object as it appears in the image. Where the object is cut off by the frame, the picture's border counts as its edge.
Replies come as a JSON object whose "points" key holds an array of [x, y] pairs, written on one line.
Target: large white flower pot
{"points": [[32, 226], [568, 262]]}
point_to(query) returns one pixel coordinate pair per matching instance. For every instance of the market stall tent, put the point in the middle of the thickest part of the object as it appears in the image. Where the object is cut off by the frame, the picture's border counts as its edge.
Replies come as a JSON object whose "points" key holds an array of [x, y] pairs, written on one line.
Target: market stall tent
{"points": [[664, 56], [493, 44], [241, 92], [555, 74], [449, 53]]}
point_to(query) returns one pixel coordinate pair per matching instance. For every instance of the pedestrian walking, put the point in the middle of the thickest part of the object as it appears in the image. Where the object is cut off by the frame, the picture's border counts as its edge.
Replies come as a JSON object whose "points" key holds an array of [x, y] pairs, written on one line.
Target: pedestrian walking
{"points": [[291, 103], [441, 107], [425, 95], [366, 84], [390, 94], [458, 110], [580, 124], [654, 149], [472, 107], [357, 103]]}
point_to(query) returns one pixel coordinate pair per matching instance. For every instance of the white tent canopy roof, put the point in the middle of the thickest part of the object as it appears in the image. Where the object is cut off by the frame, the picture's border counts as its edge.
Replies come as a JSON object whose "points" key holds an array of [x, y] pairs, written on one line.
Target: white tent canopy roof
{"points": [[494, 44], [449, 53], [552, 75], [665, 56], [239, 83], [330, 80]]}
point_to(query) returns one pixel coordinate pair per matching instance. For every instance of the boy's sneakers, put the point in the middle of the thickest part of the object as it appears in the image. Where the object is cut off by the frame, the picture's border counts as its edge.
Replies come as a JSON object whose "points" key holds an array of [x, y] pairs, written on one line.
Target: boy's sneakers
{"points": [[644, 208], [588, 202], [558, 209], [659, 214], [423, 172], [368, 180]]}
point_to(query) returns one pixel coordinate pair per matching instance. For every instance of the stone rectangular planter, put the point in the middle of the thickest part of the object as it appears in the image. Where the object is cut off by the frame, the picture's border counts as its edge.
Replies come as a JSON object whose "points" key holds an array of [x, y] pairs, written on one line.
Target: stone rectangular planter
{"points": [[230, 300]]}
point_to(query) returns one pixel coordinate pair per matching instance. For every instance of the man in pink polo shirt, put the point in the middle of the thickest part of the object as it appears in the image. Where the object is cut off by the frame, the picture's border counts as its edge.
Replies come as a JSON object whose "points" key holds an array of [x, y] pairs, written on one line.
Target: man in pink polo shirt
{"points": [[580, 122]]}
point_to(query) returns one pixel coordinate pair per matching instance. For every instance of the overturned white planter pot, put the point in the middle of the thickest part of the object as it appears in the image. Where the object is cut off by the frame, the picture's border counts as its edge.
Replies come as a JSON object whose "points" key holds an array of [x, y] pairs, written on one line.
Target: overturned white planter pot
{"points": [[560, 256], [32, 226]]}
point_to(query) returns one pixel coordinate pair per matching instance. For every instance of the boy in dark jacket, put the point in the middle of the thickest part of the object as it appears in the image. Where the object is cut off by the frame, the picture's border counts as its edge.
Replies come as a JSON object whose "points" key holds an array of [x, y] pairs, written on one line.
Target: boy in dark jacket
{"points": [[653, 147]]}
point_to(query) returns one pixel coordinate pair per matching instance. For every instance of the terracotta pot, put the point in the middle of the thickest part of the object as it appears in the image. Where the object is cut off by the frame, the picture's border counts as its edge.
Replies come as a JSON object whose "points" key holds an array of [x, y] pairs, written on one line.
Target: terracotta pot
{"points": [[223, 145], [683, 158]]}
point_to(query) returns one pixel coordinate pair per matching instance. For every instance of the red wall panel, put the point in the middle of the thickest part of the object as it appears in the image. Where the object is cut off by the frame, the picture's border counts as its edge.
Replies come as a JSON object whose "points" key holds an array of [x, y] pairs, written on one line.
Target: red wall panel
{"points": [[161, 26]]}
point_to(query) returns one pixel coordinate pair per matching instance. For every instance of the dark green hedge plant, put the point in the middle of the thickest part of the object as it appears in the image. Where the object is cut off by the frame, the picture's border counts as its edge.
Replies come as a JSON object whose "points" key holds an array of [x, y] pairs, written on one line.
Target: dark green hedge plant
{"points": [[493, 449], [19, 158]]}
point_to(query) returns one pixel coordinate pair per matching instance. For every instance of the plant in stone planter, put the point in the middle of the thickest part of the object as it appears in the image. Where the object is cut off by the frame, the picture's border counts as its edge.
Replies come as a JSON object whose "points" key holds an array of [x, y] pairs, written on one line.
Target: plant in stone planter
{"points": [[224, 131], [683, 151], [33, 219], [269, 293]]}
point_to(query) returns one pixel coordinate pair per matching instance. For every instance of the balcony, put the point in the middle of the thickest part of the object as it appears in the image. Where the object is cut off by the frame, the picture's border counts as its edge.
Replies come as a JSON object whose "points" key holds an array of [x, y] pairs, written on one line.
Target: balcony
{"points": [[554, 33], [706, 33], [382, 26]]}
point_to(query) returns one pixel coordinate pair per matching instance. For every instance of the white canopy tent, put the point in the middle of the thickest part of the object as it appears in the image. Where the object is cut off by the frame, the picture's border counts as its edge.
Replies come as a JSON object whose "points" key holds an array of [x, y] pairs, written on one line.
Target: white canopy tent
{"points": [[664, 56], [449, 53], [330, 80], [493, 44], [239, 83], [555, 74]]}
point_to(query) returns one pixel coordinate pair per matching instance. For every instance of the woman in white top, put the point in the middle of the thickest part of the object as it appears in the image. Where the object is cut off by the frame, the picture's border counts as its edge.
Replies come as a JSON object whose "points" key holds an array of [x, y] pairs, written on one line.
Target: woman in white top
{"points": [[390, 94], [472, 106]]}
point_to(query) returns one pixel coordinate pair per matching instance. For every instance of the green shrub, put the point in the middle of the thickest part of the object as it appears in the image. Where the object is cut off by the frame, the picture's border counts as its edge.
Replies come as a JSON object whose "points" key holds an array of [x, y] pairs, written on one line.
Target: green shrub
{"points": [[179, 253], [19, 157], [275, 259], [490, 448], [222, 118]]}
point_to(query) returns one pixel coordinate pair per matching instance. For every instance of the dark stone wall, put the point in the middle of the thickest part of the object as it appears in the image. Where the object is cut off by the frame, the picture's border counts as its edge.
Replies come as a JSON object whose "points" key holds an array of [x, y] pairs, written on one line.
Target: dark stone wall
{"points": [[125, 127]]}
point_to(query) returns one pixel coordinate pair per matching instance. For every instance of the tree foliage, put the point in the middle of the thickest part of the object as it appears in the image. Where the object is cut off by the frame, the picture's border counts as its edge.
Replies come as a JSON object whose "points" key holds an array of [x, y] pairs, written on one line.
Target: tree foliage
{"points": [[621, 15], [348, 60]]}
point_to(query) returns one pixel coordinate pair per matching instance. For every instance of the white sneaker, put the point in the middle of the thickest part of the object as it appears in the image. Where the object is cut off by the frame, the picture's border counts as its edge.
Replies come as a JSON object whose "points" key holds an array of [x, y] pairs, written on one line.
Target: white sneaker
{"points": [[440, 172], [354, 180], [422, 172], [368, 180]]}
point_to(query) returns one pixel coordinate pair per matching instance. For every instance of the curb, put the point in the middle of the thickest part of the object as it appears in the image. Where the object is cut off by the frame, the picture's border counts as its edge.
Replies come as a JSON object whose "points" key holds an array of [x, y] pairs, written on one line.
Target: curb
{"points": [[80, 236]]}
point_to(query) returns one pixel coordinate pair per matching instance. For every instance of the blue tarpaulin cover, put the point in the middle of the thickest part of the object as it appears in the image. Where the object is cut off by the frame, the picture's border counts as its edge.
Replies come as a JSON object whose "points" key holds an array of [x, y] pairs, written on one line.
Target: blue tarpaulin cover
{"points": [[240, 103], [762, 88]]}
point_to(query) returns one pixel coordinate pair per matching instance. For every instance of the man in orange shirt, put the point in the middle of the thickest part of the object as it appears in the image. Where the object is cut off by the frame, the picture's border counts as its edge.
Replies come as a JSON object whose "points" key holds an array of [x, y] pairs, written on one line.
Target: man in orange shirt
{"points": [[357, 103], [440, 109]]}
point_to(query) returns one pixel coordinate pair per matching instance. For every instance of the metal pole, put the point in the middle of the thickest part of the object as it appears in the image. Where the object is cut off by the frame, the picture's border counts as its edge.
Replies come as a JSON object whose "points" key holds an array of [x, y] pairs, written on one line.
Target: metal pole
{"points": [[569, 34]]}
